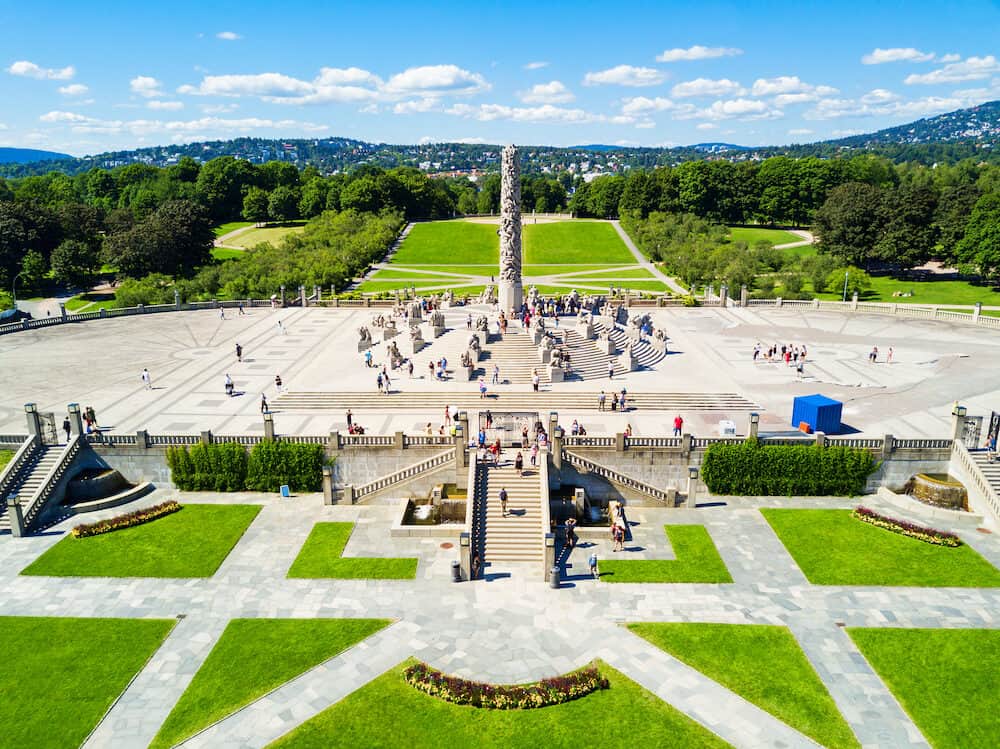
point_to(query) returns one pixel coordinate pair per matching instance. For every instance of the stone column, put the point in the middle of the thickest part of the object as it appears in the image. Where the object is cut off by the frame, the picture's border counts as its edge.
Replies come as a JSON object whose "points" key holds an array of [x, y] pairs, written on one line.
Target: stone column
{"points": [[550, 559], [692, 488], [34, 423], [887, 446], [754, 426], [75, 421], [510, 288], [302, 296], [743, 295], [977, 311], [328, 485], [557, 448], [268, 426], [282, 295], [62, 310], [177, 299], [465, 554], [723, 295]]}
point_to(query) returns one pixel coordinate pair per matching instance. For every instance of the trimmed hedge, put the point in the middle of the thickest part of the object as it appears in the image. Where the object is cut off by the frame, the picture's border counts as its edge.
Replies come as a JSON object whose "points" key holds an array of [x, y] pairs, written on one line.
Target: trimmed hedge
{"points": [[127, 520], [542, 693], [226, 467], [906, 528], [754, 469]]}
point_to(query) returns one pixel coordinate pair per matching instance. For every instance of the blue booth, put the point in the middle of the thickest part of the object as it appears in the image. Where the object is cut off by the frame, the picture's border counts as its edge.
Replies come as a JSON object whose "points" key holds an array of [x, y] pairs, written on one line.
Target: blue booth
{"points": [[822, 414]]}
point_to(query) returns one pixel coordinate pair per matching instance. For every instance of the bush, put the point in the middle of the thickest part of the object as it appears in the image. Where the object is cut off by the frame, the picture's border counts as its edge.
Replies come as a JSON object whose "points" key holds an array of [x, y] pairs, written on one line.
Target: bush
{"points": [[753, 469], [225, 467], [125, 521], [906, 528], [503, 697]]}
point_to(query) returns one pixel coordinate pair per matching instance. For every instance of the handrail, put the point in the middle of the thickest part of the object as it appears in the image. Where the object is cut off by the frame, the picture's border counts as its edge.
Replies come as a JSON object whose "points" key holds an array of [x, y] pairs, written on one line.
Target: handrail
{"points": [[543, 493], [959, 450], [8, 477], [612, 475], [403, 474], [45, 489]]}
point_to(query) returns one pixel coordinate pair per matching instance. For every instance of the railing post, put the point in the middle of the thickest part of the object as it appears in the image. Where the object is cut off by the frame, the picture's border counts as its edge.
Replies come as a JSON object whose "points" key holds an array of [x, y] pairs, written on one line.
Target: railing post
{"points": [[976, 312], [887, 447], [465, 554], [550, 559], [177, 299], [397, 441], [620, 442], [350, 494], [820, 439], [723, 295], [75, 420], [268, 426], [16, 514], [206, 437], [34, 423], [142, 439], [557, 448], [692, 488], [302, 297], [754, 426], [334, 444], [854, 301], [743, 295], [62, 310], [328, 485], [686, 444]]}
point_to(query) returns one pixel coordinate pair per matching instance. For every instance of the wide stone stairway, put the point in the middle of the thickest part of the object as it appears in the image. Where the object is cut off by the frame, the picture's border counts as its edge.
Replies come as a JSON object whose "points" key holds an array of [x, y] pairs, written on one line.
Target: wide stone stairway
{"points": [[31, 477], [519, 536], [516, 355]]}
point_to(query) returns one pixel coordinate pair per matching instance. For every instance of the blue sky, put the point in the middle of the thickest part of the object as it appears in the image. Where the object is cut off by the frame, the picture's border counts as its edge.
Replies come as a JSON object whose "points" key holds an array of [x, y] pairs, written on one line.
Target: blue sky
{"points": [[89, 77]]}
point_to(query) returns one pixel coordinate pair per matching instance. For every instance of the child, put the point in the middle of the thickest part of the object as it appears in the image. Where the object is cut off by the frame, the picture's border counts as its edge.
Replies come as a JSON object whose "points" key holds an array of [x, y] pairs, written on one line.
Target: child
{"points": [[593, 565]]}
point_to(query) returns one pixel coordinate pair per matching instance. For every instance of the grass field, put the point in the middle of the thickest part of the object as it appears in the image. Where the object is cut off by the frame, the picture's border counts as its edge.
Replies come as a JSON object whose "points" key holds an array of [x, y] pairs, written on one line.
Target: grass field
{"points": [[5, 457], [223, 229], [60, 675], [252, 657], [272, 234], [924, 292], [574, 242], [631, 273], [833, 548], [225, 253], [948, 680], [90, 302], [753, 234], [697, 561], [320, 557], [189, 543], [450, 242], [784, 683], [388, 713]]}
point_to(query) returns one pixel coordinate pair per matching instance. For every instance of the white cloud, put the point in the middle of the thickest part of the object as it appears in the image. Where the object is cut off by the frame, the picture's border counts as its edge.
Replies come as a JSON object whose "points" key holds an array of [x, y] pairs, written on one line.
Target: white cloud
{"points": [[971, 69], [167, 106], [2, 126], [145, 85], [643, 104], [752, 109], [416, 105], [219, 108], [229, 36], [949, 58], [449, 79], [788, 84], [537, 65], [203, 127], [542, 114], [706, 126], [73, 89], [878, 56], [553, 92], [59, 116], [625, 75], [31, 70], [645, 125], [697, 52], [258, 84], [346, 77], [829, 109], [879, 96], [800, 131], [708, 87], [847, 132]]}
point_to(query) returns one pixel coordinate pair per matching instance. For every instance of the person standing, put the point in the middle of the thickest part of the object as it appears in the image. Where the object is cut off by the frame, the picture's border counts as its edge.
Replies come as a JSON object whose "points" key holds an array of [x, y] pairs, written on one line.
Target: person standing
{"points": [[277, 383], [385, 379], [482, 388], [447, 414], [503, 501], [496, 374], [678, 425], [222, 313], [242, 311], [263, 403], [621, 401], [378, 381], [229, 385], [468, 321], [888, 357], [489, 419], [600, 401], [147, 380], [534, 455], [611, 369], [368, 358], [570, 534], [239, 353], [593, 565], [281, 328], [519, 463], [409, 368], [614, 401], [350, 419], [65, 426], [534, 380]]}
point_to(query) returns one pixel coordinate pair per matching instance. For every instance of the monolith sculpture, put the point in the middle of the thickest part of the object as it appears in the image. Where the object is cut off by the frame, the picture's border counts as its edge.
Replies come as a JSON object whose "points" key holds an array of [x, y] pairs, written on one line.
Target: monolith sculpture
{"points": [[510, 291]]}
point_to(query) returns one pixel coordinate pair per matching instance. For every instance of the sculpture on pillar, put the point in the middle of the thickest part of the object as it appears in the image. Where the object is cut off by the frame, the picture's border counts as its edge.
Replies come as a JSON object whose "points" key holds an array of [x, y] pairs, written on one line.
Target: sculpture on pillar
{"points": [[511, 292]]}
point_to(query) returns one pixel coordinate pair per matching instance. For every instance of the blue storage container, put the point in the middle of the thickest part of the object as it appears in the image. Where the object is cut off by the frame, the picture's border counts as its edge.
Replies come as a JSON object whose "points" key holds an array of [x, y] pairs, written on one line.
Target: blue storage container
{"points": [[822, 414]]}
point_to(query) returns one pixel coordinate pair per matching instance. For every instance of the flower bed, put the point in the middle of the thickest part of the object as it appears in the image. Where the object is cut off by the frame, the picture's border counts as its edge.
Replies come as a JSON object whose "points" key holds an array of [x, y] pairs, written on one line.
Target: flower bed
{"points": [[906, 528], [542, 693], [126, 521]]}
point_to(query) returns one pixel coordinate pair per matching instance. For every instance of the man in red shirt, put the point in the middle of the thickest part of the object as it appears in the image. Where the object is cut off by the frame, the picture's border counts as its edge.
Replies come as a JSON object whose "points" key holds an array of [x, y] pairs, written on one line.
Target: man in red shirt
{"points": [[678, 425]]}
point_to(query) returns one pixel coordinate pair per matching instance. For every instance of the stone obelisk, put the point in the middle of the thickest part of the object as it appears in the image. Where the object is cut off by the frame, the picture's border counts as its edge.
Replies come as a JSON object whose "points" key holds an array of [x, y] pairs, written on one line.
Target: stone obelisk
{"points": [[510, 291]]}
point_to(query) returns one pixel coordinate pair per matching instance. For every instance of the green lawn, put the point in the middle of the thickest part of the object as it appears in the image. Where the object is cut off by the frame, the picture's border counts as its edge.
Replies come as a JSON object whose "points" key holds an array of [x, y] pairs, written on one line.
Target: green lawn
{"points": [[450, 242], [753, 234], [630, 273], [393, 274], [5, 457], [60, 675], [223, 229], [924, 292], [390, 713], [634, 285], [252, 657], [189, 543], [574, 242], [833, 548], [90, 302], [272, 234], [948, 680], [321, 557], [697, 561], [784, 683], [224, 253]]}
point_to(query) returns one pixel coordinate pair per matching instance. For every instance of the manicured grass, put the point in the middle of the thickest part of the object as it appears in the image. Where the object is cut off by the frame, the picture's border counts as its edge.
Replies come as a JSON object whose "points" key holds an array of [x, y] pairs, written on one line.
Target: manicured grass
{"points": [[948, 680], [393, 274], [60, 675], [431, 283], [697, 561], [636, 285], [189, 543], [924, 292], [321, 557], [223, 229], [833, 548], [389, 713], [271, 234], [783, 683], [450, 242], [90, 302], [252, 657], [574, 242], [224, 253], [637, 273], [753, 234], [5, 457]]}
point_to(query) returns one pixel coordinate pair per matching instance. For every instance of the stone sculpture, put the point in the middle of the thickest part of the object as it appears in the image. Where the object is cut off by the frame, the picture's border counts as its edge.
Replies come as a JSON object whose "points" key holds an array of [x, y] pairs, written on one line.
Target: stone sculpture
{"points": [[511, 291]]}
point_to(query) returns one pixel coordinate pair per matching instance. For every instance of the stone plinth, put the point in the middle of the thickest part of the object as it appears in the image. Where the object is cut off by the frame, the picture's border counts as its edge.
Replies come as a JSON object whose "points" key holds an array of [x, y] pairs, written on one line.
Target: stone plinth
{"points": [[556, 374]]}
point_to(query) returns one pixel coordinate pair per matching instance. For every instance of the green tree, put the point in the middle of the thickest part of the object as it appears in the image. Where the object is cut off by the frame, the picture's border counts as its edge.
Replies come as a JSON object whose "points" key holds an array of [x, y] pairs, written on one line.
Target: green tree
{"points": [[850, 222], [73, 261], [175, 239], [981, 243], [33, 268], [856, 281], [910, 234], [283, 203], [255, 205]]}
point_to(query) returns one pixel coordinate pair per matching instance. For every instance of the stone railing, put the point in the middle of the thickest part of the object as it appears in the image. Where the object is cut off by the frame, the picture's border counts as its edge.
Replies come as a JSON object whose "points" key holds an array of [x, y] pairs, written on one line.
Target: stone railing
{"points": [[11, 472], [42, 495], [921, 444], [404, 474], [6, 440], [960, 454], [862, 442], [653, 442], [579, 462], [923, 312], [588, 441]]}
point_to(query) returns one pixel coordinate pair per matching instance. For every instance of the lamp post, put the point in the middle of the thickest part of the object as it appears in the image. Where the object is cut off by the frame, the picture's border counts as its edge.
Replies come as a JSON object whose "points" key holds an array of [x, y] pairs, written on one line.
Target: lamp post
{"points": [[13, 289], [846, 274]]}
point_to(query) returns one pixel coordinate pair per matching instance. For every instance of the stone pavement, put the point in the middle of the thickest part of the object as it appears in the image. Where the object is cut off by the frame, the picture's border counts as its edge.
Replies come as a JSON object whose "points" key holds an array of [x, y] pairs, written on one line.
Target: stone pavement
{"points": [[507, 628]]}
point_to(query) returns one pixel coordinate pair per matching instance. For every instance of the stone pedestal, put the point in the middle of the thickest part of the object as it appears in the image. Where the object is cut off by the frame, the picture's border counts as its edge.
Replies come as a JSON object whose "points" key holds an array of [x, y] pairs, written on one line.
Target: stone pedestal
{"points": [[473, 353], [544, 355], [510, 296], [628, 361], [410, 346], [556, 374], [430, 332], [586, 330], [464, 374], [389, 333]]}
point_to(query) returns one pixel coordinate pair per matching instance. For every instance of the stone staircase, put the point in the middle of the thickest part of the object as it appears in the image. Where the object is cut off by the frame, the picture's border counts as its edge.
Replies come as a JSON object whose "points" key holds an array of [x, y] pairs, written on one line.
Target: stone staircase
{"points": [[516, 355], [518, 537], [990, 471], [29, 479]]}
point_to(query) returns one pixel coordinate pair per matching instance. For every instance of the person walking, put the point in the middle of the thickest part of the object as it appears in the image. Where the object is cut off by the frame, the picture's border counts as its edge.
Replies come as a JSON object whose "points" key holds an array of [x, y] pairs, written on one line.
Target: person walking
{"points": [[570, 532], [888, 357], [65, 426], [600, 401], [611, 369], [385, 379], [263, 403], [222, 313], [534, 380], [621, 401], [147, 380], [240, 307], [496, 374], [592, 561], [239, 353], [378, 381], [503, 501], [447, 414], [229, 385], [489, 419], [277, 383], [534, 455], [678, 425], [482, 388], [468, 321], [409, 368], [350, 419], [368, 358], [519, 463]]}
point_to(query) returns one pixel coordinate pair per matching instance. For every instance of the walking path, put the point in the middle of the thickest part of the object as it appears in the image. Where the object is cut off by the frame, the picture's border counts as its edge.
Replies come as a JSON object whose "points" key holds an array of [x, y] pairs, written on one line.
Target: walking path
{"points": [[807, 239], [644, 261], [510, 627]]}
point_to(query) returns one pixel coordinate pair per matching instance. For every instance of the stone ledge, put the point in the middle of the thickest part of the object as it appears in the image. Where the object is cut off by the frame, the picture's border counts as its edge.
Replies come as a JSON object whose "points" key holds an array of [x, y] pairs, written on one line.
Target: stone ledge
{"points": [[955, 518]]}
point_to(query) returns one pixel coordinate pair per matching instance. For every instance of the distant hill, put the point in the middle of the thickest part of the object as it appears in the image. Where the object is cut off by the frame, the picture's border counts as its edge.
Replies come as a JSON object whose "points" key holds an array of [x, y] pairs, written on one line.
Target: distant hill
{"points": [[29, 155], [945, 138]]}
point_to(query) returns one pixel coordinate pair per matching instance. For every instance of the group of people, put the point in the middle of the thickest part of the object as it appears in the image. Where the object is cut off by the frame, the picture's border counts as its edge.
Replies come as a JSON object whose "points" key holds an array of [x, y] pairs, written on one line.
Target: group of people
{"points": [[89, 423], [619, 401], [788, 353]]}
